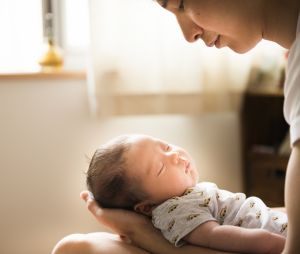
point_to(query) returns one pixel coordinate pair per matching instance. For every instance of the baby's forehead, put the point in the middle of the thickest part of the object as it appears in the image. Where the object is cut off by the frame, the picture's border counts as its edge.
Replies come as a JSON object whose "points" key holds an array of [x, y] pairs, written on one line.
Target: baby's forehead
{"points": [[141, 147], [141, 142], [144, 141]]}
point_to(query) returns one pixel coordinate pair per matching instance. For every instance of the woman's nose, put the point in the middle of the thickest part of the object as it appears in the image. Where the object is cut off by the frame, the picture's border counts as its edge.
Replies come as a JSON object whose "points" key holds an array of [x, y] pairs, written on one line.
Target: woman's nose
{"points": [[191, 31], [192, 35]]}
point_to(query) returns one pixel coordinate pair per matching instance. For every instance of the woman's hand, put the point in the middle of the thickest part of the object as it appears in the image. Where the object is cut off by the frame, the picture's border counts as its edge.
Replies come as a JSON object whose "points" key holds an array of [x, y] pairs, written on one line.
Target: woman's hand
{"points": [[122, 222], [131, 226], [138, 229]]}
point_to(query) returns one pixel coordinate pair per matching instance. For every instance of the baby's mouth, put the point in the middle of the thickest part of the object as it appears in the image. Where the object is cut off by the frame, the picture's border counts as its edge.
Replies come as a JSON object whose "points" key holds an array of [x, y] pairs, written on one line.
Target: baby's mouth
{"points": [[187, 167]]}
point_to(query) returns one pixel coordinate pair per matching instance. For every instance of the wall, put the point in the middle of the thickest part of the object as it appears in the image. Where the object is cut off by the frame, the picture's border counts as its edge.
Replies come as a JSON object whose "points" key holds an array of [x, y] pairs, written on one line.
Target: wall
{"points": [[46, 133]]}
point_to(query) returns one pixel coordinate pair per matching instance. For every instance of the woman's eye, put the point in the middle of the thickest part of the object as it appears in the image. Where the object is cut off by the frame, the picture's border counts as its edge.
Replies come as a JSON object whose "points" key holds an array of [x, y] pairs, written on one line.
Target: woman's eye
{"points": [[168, 148], [181, 5]]}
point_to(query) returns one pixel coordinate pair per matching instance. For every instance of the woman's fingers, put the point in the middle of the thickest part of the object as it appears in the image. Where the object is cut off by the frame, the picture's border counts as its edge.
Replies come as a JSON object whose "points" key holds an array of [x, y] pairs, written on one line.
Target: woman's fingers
{"points": [[111, 218], [120, 221], [131, 226], [91, 203], [84, 195]]}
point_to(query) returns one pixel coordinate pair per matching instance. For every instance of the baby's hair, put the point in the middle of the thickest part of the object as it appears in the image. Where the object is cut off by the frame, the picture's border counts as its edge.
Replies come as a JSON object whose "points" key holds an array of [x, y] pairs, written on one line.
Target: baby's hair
{"points": [[107, 176]]}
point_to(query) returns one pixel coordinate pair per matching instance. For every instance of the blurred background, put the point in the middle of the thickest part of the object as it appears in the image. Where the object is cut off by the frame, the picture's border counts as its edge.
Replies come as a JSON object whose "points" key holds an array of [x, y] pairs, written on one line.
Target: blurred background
{"points": [[75, 73]]}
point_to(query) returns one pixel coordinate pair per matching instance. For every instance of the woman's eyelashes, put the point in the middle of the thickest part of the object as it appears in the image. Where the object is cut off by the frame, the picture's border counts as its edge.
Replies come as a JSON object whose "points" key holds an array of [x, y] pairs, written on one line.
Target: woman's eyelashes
{"points": [[163, 3], [181, 5]]}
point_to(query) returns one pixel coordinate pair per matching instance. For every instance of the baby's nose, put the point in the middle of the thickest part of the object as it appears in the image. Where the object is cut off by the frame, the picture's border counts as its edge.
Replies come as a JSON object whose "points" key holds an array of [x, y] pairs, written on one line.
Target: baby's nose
{"points": [[182, 158], [175, 157]]}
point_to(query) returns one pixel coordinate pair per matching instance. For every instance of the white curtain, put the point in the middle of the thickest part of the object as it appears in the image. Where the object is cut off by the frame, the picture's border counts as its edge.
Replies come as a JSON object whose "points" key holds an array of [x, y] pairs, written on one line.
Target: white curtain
{"points": [[139, 56]]}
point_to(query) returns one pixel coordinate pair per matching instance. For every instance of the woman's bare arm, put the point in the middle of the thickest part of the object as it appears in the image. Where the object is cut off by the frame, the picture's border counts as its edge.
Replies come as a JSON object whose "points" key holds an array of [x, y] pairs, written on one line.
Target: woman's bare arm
{"points": [[139, 229], [292, 200]]}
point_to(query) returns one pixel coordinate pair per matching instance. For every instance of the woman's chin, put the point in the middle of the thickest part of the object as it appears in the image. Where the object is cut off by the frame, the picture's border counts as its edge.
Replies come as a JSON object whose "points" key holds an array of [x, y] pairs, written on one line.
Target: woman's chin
{"points": [[242, 49]]}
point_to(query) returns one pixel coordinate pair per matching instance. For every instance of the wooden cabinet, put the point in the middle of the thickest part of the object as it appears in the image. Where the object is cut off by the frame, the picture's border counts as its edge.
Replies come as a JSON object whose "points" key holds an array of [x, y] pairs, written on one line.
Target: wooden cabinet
{"points": [[263, 130]]}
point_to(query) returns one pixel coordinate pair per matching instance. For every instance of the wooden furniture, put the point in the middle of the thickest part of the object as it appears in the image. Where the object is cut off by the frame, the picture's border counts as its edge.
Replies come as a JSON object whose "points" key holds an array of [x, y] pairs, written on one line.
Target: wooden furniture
{"points": [[263, 130]]}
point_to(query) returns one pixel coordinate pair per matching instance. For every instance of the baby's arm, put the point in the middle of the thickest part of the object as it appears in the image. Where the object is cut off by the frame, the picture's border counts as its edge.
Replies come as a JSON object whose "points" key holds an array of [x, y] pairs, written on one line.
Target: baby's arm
{"points": [[236, 239]]}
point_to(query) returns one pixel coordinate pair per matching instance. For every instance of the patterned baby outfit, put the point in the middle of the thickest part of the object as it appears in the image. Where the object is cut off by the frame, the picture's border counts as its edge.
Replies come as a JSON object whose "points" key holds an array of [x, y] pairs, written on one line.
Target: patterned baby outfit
{"points": [[179, 216]]}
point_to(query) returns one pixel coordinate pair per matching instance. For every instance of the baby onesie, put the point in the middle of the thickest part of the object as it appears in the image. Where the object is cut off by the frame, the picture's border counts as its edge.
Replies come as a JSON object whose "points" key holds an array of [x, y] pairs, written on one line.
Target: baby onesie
{"points": [[179, 216]]}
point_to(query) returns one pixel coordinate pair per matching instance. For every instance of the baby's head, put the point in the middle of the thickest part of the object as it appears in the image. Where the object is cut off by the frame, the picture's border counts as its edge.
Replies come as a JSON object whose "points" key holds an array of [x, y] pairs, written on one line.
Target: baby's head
{"points": [[138, 172], [108, 177]]}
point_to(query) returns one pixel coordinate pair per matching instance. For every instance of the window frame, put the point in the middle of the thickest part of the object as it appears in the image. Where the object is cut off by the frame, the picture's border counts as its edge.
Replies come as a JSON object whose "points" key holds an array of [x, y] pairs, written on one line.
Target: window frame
{"points": [[74, 58]]}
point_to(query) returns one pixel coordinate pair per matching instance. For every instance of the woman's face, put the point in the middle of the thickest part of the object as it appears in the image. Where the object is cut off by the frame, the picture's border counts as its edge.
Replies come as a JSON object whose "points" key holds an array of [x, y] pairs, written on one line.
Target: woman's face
{"points": [[236, 24]]}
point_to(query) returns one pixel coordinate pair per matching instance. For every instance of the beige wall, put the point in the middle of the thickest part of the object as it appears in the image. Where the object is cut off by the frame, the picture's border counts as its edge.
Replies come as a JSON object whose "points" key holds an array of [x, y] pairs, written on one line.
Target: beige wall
{"points": [[45, 134]]}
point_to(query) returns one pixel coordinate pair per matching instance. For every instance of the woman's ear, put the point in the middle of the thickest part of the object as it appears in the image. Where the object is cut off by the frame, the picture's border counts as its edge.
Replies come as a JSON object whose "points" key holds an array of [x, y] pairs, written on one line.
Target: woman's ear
{"points": [[144, 207]]}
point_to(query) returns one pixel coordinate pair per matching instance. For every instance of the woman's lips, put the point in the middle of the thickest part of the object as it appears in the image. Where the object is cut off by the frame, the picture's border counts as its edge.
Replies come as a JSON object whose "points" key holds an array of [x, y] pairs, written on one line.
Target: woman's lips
{"points": [[214, 41], [218, 42]]}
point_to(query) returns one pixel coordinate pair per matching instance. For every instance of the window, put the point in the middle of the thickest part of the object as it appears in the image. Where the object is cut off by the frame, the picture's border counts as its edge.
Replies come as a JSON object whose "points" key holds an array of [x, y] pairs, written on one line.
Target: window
{"points": [[76, 25], [21, 34], [21, 26]]}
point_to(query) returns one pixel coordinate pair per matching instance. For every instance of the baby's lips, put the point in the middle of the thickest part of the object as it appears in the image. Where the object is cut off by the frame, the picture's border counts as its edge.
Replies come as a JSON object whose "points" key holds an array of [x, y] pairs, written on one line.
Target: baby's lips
{"points": [[187, 166]]}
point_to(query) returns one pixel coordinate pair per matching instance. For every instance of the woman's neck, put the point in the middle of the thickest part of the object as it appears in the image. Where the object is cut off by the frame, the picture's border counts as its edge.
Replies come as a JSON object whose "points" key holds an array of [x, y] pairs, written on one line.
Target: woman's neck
{"points": [[280, 21]]}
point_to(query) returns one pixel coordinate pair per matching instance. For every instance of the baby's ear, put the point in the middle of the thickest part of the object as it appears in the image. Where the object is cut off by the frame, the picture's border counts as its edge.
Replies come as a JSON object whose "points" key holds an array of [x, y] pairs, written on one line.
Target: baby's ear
{"points": [[144, 207]]}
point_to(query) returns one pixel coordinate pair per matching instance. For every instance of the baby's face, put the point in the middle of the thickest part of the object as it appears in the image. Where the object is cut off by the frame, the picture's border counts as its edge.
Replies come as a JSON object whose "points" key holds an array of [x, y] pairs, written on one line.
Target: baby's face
{"points": [[164, 170]]}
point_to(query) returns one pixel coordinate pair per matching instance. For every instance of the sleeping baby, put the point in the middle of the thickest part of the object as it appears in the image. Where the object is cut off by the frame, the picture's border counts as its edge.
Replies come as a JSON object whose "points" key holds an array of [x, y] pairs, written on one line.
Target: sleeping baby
{"points": [[160, 180]]}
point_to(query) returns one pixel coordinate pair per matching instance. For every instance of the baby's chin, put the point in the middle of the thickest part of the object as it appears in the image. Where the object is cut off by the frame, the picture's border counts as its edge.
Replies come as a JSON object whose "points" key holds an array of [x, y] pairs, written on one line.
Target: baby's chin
{"points": [[196, 181], [195, 177]]}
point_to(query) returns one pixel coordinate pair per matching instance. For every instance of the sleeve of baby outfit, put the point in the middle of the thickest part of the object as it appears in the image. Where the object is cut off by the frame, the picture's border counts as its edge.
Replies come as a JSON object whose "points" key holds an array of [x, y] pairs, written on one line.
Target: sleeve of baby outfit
{"points": [[292, 89], [176, 218]]}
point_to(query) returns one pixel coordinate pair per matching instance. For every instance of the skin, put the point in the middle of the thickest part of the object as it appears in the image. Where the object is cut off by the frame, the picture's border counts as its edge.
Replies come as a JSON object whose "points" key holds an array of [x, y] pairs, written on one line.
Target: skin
{"points": [[242, 25], [292, 200], [141, 236], [237, 239], [167, 167], [239, 25], [139, 229], [172, 171]]}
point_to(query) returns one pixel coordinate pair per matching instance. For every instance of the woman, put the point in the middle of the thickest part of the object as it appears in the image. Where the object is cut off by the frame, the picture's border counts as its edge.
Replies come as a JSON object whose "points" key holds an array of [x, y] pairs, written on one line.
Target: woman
{"points": [[239, 25]]}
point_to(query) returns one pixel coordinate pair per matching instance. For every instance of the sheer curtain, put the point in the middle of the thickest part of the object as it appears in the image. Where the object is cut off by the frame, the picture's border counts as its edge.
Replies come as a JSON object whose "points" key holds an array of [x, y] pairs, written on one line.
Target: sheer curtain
{"points": [[21, 35], [137, 50]]}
